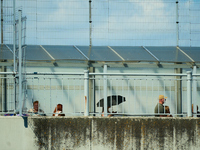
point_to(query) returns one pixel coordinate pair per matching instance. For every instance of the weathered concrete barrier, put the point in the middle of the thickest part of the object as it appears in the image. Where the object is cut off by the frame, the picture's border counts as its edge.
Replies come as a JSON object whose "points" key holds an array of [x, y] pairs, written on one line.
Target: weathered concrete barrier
{"points": [[99, 133]]}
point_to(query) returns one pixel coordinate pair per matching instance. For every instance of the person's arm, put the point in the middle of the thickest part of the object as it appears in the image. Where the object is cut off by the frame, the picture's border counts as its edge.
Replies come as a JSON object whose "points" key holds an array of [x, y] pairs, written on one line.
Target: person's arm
{"points": [[102, 115], [30, 110]]}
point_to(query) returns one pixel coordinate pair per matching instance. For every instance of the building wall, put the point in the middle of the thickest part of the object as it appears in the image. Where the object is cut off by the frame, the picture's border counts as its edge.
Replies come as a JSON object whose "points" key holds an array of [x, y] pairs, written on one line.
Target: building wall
{"points": [[97, 133]]}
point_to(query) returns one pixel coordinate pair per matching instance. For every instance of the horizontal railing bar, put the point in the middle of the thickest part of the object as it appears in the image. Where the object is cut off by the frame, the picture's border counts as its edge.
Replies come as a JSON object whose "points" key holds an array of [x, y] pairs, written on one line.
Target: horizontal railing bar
{"points": [[195, 74], [53, 73], [7, 73], [99, 113], [138, 74], [141, 114], [139, 79], [108, 74], [80, 78]]}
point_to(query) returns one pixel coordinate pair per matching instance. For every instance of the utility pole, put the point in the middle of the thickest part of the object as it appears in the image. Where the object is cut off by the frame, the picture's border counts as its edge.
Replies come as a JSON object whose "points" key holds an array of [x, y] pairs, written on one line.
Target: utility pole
{"points": [[177, 23], [3, 82], [14, 57], [1, 90], [178, 90], [1, 21], [90, 21]]}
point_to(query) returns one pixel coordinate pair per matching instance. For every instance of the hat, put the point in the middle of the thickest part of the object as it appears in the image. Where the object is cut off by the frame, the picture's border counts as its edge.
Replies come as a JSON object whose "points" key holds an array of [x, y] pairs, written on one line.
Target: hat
{"points": [[161, 97]]}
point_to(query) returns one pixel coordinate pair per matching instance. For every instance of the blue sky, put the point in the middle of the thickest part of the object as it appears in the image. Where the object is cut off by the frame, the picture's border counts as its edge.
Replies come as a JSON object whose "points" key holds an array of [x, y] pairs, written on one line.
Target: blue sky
{"points": [[114, 22]]}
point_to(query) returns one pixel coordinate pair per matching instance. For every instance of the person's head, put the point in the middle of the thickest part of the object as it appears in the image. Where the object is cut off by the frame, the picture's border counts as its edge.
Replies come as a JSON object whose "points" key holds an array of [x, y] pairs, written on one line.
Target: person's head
{"points": [[59, 107], [35, 105], [167, 109], [162, 99]]}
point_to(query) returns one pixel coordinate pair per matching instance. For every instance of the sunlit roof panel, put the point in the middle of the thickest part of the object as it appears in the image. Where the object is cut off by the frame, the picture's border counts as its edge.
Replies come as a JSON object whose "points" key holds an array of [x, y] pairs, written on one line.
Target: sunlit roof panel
{"points": [[64, 52], [193, 52], [133, 53], [5, 53], [36, 52], [168, 54], [99, 53]]}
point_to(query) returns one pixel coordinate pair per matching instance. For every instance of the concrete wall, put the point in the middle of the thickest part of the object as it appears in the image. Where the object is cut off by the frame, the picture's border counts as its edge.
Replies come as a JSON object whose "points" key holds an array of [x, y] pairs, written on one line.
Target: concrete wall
{"points": [[14, 135], [93, 133]]}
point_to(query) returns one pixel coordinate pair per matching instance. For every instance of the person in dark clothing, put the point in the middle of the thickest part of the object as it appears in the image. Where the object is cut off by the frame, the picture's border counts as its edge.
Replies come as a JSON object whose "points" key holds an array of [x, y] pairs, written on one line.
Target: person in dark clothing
{"points": [[159, 107]]}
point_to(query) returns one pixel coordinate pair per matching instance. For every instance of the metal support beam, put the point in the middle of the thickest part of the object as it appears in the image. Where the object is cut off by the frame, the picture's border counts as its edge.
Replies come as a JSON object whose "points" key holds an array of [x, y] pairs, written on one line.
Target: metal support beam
{"points": [[92, 91], [86, 92], [177, 23], [105, 91], [1, 21], [20, 63], [3, 69], [14, 32], [90, 21], [14, 52], [189, 93], [194, 93], [1, 90], [5, 89], [178, 90]]}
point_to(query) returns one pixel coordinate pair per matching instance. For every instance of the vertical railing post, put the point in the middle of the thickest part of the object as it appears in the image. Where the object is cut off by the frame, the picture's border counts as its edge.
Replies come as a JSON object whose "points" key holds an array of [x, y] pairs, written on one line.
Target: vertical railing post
{"points": [[178, 92], [194, 91], [105, 91], [14, 51], [14, 32], [189, 94], [20, 62], [86, 92]]}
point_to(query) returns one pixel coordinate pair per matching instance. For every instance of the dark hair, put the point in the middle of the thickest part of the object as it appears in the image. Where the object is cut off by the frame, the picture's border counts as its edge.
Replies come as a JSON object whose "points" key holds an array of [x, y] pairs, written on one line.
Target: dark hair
{"points": [[35, 102], [59, 107]]}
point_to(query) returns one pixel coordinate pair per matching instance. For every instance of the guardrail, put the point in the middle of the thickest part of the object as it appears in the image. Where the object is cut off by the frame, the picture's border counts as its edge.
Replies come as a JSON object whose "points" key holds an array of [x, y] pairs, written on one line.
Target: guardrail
{"points": [[7, 93], [79, 93], [142, 91]]}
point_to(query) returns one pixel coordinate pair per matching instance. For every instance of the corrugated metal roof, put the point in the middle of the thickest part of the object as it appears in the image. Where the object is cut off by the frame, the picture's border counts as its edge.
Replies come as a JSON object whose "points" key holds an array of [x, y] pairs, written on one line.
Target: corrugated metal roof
{"points": [[63, 52], [5, 52], [99, 53], [168, 54], [171, 54], [193, 52], [133, 53], [35, 52]]}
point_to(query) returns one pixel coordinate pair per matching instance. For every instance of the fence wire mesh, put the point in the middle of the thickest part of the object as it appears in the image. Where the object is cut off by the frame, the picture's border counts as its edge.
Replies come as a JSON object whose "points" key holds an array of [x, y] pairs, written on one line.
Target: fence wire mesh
{"points": [[107, 22]]}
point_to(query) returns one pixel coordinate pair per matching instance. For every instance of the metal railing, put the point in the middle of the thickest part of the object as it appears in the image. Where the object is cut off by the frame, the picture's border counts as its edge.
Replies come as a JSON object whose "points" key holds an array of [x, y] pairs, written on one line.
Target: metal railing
{"points": [[51, 89], [79, 93], [7, 93], [142, 91]]}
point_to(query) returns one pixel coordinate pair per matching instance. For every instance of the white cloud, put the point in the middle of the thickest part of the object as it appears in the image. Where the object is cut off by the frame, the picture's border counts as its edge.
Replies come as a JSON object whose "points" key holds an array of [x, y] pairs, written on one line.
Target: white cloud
{"points": [[113, 20]]}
